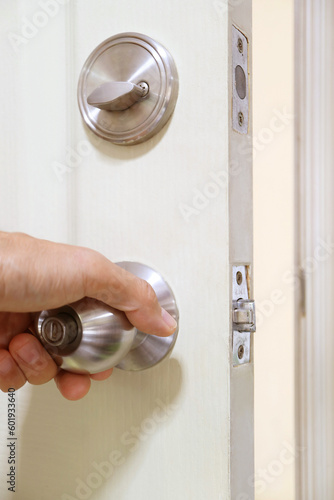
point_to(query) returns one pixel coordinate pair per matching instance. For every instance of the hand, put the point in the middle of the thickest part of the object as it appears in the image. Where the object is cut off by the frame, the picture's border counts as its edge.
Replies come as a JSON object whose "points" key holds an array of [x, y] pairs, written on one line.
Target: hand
{"points": [[38, 274]]}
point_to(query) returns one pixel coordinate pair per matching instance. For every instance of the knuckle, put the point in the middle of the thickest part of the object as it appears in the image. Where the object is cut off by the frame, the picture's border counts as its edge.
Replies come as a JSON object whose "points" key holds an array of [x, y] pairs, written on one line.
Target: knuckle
{"points": [[119, 286], [149, 294]]}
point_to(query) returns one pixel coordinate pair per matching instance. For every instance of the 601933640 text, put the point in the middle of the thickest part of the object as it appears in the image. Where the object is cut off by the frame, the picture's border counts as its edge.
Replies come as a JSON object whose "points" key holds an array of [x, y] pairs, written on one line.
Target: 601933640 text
{"points": [[11, 440]]}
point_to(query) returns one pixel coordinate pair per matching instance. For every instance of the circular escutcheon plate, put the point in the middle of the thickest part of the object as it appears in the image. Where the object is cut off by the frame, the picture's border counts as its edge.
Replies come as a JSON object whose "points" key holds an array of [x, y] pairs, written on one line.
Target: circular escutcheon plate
{"points": [[136, 58]]}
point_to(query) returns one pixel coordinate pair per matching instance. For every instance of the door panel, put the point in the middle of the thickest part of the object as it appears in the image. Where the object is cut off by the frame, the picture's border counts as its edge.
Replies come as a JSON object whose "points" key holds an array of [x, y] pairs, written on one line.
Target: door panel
{"points": [[168, 203]]}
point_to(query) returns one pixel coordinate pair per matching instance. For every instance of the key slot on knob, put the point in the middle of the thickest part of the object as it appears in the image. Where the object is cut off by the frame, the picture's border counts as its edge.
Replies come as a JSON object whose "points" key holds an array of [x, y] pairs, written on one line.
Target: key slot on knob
{"points": [[59, 330]]}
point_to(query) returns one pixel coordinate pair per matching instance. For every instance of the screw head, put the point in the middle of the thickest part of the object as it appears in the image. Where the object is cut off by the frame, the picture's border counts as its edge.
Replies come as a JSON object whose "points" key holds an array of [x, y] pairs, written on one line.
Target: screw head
{"points": [[241, 351], [240, 119], [240, 45]]}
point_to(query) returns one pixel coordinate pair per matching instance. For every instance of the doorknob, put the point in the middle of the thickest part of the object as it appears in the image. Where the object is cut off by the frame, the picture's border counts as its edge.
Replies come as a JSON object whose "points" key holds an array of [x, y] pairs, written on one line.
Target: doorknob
{"points": [[88, 336], [128, 88], [117, 96]]}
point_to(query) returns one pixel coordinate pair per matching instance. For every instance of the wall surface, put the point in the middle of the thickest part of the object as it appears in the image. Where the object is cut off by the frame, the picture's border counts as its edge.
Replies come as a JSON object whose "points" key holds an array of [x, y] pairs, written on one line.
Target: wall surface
{"points": [[273, 245]]}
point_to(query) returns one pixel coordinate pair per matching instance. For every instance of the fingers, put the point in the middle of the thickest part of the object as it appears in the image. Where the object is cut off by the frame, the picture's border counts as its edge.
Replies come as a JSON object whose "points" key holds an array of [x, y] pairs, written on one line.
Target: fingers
{"points": [[11, 325], [72, 386], [10, 374], [102, 375], [35, 363], [122, 290], [27, 360], [44, 275]]}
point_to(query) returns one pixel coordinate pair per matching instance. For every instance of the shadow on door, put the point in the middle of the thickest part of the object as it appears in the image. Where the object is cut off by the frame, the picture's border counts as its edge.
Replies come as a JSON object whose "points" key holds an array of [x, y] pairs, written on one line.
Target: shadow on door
{"points": [[75, 450]]}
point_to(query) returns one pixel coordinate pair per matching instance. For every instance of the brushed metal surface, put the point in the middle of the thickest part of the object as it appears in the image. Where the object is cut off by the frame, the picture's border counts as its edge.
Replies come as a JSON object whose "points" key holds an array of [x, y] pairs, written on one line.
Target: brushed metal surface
{"points": [[116, 96], [103, 337], [88, 336], [138, 59]]}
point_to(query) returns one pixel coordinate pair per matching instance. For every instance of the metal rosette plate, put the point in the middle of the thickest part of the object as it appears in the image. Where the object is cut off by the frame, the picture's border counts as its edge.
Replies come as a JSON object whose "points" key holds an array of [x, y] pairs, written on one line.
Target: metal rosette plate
{"points": [[135, 58]]}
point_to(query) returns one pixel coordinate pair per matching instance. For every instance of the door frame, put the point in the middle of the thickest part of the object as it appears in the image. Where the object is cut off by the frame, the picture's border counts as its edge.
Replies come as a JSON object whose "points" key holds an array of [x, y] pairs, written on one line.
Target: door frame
{"points": [[314, 255]]}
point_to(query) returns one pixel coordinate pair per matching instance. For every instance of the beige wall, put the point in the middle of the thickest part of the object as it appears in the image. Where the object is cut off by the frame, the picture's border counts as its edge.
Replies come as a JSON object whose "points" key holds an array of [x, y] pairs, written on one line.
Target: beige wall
{"points": [[273, 219]]}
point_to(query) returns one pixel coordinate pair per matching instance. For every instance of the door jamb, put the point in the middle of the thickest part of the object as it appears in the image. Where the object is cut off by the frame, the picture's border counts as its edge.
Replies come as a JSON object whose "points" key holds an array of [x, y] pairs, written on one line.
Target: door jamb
{"points": [[314, 256]]}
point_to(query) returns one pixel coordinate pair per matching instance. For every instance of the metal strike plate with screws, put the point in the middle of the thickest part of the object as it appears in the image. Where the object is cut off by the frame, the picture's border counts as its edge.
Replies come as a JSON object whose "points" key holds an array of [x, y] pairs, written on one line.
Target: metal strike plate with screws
{"points": [[243, 316], [240, 81]]}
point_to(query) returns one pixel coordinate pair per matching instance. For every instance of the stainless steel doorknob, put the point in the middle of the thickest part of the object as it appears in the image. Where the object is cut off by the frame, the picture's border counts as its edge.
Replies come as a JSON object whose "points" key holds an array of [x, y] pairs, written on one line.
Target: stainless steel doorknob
{"points": [[128, 88], [88, 336]]}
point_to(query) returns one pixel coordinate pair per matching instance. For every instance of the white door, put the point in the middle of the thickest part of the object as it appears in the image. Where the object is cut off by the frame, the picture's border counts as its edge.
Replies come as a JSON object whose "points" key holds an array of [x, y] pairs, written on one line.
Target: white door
{"points": [[181, 203]]}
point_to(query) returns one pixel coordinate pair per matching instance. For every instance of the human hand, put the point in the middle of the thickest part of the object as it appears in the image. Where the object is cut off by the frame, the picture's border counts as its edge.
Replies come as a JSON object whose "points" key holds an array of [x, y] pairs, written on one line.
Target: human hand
{"points": [[36, 275]]}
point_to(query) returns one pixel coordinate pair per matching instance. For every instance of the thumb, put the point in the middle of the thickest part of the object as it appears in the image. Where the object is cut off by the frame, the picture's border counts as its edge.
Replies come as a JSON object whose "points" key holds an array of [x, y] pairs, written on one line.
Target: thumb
{"points": [[122, 290]]}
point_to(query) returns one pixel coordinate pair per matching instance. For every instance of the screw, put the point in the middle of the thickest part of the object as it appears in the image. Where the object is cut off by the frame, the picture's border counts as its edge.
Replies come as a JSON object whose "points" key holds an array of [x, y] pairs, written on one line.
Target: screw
{"points": [[240, 45], [239, 277], [240, 119], [145, 87], [241, 351]]}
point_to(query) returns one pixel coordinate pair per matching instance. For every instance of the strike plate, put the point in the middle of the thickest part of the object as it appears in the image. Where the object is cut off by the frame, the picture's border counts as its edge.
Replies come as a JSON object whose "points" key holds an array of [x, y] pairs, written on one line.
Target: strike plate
{"points": [[243, 316]]}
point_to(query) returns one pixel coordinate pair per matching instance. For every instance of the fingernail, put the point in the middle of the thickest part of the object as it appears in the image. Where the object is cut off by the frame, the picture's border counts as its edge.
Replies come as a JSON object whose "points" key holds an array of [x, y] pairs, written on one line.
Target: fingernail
{"points": [[29, 353], [6, 366], [168, 319]]}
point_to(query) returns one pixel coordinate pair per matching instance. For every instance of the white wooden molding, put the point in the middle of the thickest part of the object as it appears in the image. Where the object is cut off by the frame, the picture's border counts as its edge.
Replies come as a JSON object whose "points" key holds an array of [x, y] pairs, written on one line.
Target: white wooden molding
{"points": [[314, 347]]}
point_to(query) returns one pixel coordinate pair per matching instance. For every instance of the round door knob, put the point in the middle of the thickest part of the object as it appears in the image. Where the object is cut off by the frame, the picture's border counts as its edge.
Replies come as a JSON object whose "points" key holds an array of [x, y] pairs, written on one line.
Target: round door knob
{"points": [[88, 336], [128, 88]]}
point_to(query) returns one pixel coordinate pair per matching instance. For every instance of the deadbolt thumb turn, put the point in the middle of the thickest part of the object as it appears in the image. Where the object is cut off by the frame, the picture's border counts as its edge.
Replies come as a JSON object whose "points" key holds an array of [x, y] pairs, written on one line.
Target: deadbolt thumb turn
{"points": [[128, 88], [117, 96], [89, 337]]}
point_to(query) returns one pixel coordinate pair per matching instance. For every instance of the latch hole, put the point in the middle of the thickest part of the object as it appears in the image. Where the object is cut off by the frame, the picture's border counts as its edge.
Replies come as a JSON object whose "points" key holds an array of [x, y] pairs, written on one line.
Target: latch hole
{"points": [[240, 82]]}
